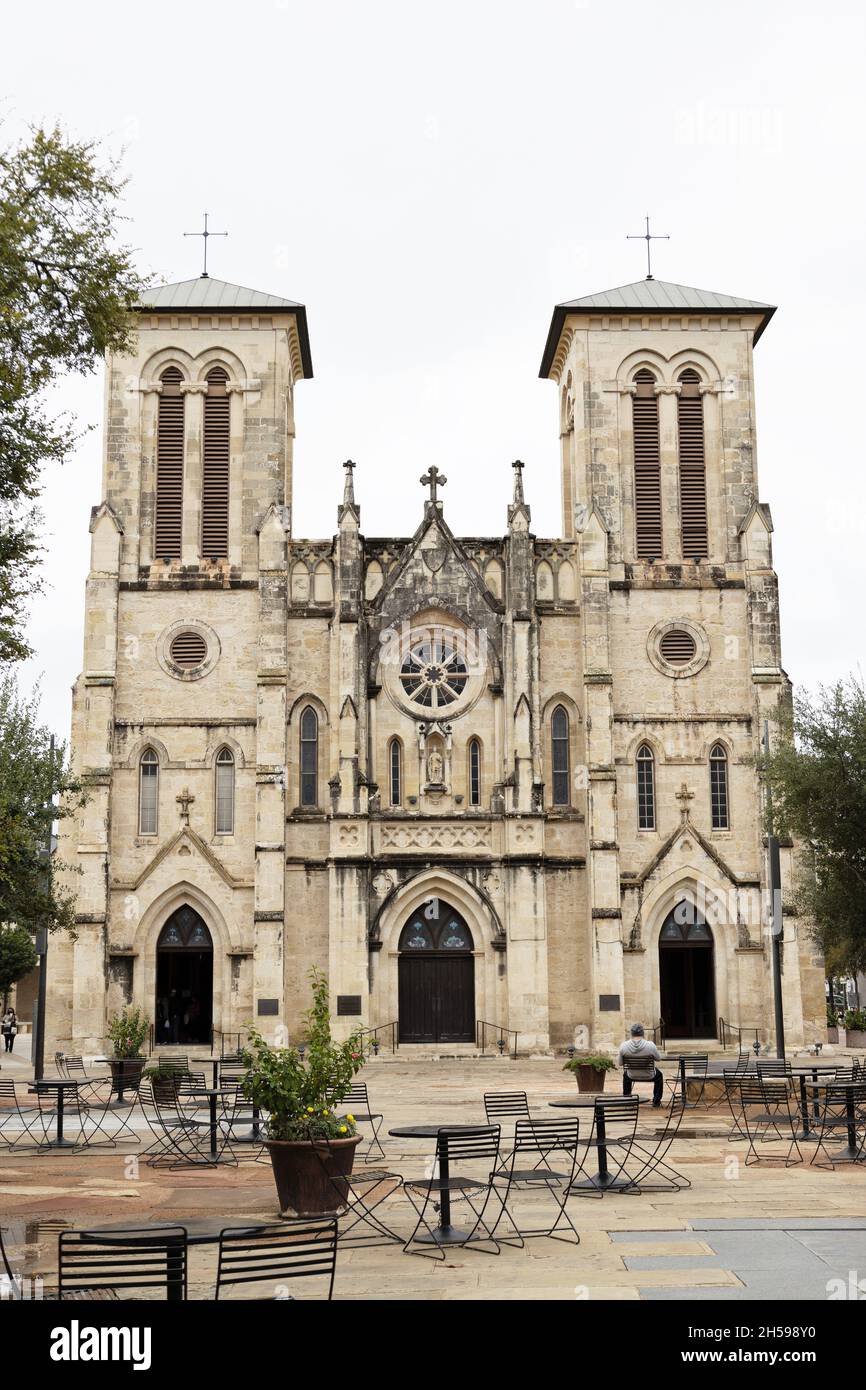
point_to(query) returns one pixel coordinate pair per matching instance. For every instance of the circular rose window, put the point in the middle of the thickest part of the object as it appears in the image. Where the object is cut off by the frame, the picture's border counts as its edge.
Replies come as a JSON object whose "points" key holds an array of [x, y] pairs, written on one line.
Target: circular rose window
{"points": [[433, 673]]}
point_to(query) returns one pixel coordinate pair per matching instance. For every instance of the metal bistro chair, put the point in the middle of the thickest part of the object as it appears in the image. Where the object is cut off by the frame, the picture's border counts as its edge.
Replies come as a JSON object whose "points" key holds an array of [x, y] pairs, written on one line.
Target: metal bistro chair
{"points": [[547, 1141], [27, 1116], [357, 1104], [91, 1263], [614, 1125], [274, 1255], [768, 1104], [9, 1281], [695, 1070], [843, 1109], [650, 1160], [640, 1071], [505, 1105], [359, 1195], [181, 1137], [475, 1145]]}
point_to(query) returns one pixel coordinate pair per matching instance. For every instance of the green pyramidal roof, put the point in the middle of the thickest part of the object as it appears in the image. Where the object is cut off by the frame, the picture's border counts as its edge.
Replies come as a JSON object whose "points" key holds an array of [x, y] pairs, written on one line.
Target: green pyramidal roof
{"points": [[206, 293], [657, 296]]}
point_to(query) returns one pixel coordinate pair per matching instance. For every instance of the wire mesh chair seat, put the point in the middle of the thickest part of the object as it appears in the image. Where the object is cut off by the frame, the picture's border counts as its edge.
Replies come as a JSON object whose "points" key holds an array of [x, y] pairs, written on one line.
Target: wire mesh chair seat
{"points": [[14, 1114], [650, 1149], [767, 1103], [622, 1114], [356, 1103], [550, 1142], [464, 1145], [92, 1262], [843, 1109], [305, 1248]]}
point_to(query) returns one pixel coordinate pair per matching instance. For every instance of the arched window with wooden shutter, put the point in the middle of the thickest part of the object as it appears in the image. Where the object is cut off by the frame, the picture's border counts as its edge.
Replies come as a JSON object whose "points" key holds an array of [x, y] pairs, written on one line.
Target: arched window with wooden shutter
{"points": [[215, 467], [646, 788], [169, 467], [647, 468], [719, 787], [224, 793], [693, 473], [395, 772], [560, 758], [309, 752], [148, 793]]}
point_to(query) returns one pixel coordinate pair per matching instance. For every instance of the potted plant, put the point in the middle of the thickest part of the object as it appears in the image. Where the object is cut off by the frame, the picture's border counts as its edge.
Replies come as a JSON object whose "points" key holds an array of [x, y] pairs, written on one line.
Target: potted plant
{"points": [[832, 1024], [855, 1028], [126, 1032], [297, 1089], [590, 1068]]}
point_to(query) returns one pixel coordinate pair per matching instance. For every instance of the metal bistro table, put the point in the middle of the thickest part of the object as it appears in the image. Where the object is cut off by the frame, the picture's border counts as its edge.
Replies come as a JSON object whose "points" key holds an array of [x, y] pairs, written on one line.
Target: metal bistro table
{"points": [[59, 1085], [200, 1230], [602, 1179], [850, 1153], [445, 1233], [212, 1093], [124, 1079], [803, 1072]]}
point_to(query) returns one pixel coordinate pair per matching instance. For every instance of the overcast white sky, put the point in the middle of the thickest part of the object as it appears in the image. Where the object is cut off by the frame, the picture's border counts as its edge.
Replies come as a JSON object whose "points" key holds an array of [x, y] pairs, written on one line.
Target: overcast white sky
{"points": [[429, 181]]}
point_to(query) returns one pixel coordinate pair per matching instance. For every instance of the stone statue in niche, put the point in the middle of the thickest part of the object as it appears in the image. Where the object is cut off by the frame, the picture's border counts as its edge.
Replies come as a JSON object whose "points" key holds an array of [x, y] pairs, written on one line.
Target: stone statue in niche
{"points": [[435, 768]]}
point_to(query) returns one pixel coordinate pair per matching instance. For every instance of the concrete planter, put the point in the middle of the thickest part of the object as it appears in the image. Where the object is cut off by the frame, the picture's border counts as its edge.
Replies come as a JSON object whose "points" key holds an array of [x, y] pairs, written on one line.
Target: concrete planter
{"points": [[832, 1035], [855, 1037], [303, 1169]]}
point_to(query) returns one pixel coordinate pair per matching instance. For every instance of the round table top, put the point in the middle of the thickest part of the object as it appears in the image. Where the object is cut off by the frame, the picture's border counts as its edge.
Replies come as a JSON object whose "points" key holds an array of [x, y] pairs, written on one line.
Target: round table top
{"points": [[430, 1131], [806, 1068], [201, 1230], [831, 1081], [587, 1104], [59, 1081]]}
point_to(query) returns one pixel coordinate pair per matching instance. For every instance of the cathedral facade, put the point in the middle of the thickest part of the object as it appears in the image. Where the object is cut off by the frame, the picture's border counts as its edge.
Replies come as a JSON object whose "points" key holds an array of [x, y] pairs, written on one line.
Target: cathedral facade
{"points": [[495, 779]]}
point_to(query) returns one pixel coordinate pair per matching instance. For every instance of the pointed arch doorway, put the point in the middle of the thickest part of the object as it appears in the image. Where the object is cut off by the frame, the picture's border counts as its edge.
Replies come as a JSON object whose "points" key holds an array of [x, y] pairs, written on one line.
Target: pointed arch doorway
{"points": [[687, 976], [184, 980], [436, 976]]}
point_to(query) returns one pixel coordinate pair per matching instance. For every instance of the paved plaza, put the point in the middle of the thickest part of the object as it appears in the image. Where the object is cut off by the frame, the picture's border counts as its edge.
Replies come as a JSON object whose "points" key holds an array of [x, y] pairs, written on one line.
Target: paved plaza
{"points": [[738, 1233]]}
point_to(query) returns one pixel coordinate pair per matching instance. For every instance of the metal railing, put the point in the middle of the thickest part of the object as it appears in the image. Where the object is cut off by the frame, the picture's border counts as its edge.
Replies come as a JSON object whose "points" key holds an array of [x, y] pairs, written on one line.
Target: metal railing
{"points": [[373, 1033], [730, 1033], [658, 1035], [500, 1035]]}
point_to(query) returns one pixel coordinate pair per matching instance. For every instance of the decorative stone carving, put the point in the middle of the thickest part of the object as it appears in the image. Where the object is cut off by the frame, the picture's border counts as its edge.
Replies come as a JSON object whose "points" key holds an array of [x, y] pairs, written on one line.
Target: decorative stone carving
{"points": [[446, 835], [383, 882]]}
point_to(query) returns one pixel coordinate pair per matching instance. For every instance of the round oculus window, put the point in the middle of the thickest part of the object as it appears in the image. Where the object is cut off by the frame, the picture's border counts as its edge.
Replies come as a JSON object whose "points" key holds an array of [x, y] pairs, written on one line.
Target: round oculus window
{"points": [[433, 673], [677, 647]]}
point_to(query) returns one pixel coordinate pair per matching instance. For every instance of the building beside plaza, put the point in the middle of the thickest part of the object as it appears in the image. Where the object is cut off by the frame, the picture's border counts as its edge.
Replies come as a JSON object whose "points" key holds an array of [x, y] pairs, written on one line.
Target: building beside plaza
{"points": [[496, 777]]}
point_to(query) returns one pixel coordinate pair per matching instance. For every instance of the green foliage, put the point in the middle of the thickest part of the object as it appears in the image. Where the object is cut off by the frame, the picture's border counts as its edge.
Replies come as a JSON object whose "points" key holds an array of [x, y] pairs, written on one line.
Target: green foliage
{"points": [[31, 890], [817, 778], [127, 1031], [599, 1061], [294, 1090], [855, 1020], [832, 1017], [66, 290], [17, 957]]}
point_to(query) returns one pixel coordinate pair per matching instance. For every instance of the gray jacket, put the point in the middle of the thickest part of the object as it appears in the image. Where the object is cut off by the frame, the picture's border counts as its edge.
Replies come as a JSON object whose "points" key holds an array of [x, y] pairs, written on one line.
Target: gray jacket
{"points": [[637, 1050]]}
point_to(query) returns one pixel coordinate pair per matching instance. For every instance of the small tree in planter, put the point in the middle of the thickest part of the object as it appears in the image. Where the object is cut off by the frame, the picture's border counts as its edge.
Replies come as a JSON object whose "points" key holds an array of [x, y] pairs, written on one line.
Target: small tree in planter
{"points": [[126, 1032], [590, 1068], [307, 1142], [855, 1027]]}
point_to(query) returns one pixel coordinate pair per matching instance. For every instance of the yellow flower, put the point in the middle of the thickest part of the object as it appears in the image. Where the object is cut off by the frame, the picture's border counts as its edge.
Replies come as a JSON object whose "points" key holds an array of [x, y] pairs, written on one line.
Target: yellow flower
{"points": [[310, 1110], [343, 1129], [351, 1118], [325, 1112]]}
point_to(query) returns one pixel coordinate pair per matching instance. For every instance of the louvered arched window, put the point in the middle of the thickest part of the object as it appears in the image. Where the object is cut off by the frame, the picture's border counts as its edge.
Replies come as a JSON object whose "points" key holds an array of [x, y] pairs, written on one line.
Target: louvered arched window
{"points": [[719, 787], [169, 466], [646, 788], [395, 772], [559, 756], [224, 793], [474, 772], [215, 467], [647, 468], [148, 793], [693, 474], [309, 757]]}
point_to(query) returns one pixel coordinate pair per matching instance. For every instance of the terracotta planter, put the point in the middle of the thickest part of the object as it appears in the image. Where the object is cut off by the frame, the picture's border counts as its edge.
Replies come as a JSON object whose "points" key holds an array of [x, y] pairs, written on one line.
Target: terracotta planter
{"points": [[303, 1169], [590, 1079]]}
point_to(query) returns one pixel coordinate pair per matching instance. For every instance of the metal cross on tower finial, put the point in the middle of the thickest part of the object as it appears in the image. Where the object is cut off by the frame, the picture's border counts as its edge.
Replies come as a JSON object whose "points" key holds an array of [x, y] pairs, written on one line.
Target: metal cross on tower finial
{"points": [[648, 236], [205, 234], [433, 479]]}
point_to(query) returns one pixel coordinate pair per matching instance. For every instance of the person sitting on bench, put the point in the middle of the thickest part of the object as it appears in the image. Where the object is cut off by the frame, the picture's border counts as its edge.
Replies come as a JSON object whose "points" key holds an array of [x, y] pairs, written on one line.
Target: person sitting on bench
{"points": [[637, 1058]]}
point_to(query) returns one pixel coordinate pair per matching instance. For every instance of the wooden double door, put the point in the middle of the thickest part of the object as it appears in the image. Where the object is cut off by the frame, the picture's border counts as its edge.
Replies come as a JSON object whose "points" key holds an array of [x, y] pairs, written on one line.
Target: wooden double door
{"points": [[436, 969]]}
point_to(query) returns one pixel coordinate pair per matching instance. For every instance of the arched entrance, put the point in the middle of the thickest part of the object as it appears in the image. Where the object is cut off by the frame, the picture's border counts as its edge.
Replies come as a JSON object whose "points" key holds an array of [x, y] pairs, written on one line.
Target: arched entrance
{"points": [[436, 976], [687, 977], [184, 980]]}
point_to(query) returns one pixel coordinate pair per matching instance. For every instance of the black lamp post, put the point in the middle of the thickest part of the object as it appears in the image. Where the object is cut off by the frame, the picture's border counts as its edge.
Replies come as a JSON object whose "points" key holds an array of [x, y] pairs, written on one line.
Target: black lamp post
{"points": [[775, 911]]}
